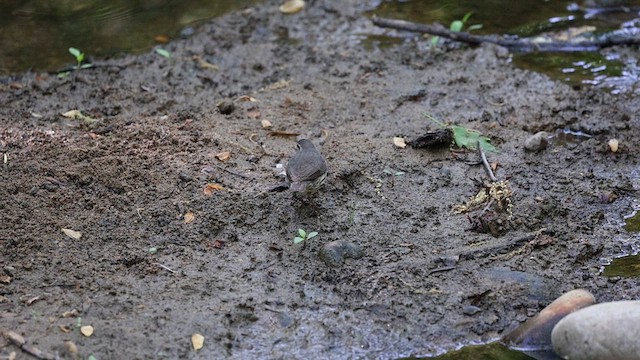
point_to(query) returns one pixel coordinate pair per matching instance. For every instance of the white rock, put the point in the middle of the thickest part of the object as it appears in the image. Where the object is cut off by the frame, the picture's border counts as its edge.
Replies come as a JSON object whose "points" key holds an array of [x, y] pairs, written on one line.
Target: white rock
{"points": [[603, 331]]}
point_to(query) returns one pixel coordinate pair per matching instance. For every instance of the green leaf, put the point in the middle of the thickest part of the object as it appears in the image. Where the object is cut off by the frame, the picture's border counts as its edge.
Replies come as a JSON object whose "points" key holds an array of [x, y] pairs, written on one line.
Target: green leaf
{"points": [[434, 40], [75, 52], [153, 250], [468, 138], [466, 17], [91, 357], [312, 235], [297, 240], [456, 26], [303, 234], [163, 52], [474, 27], [86, 66]]}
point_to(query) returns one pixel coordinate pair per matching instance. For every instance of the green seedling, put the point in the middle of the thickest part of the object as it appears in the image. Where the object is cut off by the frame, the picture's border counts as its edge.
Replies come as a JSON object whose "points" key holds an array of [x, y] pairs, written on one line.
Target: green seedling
{"points": [[458, 26], [302, 236], [466, 138]]}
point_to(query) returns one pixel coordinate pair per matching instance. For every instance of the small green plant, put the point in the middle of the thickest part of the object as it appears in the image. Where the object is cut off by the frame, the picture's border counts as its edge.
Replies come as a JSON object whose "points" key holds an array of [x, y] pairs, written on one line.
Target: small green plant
{"points": [[302, 236], [457, 26], [467, 138], [79, 55], [163, 52]]}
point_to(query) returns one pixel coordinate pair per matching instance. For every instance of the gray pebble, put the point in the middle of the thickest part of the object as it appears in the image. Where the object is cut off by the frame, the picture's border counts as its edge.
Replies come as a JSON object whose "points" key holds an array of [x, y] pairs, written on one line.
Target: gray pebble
{"points": [[537, 141], [471, 310], [334, 253]]}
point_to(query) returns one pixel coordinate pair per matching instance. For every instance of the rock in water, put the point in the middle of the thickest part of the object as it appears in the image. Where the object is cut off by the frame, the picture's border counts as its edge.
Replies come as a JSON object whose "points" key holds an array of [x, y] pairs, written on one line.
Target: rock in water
{"points": [[535, 333], [603, 331]]}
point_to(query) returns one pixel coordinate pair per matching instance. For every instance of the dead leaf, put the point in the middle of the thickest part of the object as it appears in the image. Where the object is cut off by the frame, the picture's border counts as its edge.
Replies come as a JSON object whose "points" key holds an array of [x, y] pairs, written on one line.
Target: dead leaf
{"points": [[613, 145], [204, 64], [218, 244], [399, 142], [292, 6], [280, 84], [210, 188], [162, 39], [70, 313], [245, 98], [78, 115], [253, 114], [283, 133], [265, 123], [189, 217], [72, 233], [197, 340], [87, 330], [32, 300], [65, 329], [223, 156], [71, 347], [5, 279]]}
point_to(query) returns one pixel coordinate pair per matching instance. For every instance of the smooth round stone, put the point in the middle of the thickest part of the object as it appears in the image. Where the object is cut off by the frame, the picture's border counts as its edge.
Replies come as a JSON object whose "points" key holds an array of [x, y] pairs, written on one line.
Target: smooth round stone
{"points": [[603, 331], [535, 333], [537, 141]]}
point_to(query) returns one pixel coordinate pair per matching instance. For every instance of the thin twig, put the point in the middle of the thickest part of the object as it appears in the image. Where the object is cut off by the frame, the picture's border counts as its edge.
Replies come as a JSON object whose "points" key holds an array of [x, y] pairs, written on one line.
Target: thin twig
{"points": [[487, 167], [166, 268], [232, 172]]}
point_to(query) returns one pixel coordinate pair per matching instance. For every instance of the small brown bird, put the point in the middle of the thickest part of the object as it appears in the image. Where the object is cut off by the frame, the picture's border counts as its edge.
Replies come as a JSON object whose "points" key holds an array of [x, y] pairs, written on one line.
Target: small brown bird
{"points": [[307, 170]]}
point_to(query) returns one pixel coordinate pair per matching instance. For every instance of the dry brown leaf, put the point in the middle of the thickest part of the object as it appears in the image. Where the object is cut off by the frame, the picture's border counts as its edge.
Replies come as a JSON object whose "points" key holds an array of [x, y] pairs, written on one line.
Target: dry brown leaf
{"points": [[282, 133], [87, 330], [223, 156], [189, 217], [197, 340], [64, 328], [399, 142], [71, 347], [72, 233], [292, 6], [70, 313], [245, 98], [210, 188], [5, 279], [204, 64], [265, 123], [162, 39], [253, 114]]}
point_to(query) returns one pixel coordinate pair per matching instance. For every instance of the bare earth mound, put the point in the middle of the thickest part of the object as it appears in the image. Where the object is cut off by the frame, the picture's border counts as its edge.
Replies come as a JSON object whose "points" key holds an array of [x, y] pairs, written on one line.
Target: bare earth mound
{"points": [[224, 265]]}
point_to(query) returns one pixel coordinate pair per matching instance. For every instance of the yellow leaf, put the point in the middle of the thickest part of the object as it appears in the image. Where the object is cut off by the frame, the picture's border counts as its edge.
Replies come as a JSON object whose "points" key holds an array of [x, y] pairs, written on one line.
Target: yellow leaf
{"points": [[189, 217], [72, 233], [266, 123], [197, 340], [87, 330]]}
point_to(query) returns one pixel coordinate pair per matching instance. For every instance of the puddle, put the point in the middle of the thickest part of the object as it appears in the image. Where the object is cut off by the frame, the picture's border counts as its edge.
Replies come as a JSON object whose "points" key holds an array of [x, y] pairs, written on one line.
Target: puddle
{"points": [[492, 351], [564, 137], [98, 28], [525, 19]]}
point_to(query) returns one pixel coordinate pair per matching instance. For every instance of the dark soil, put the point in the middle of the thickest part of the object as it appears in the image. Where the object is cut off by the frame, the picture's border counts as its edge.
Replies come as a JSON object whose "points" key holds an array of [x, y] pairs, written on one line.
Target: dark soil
{"points": [[130, 182]]}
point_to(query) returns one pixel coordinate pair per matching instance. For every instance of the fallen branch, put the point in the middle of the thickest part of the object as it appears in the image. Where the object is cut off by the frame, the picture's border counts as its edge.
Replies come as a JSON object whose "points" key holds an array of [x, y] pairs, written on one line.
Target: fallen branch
{"points": [[627, 36]]}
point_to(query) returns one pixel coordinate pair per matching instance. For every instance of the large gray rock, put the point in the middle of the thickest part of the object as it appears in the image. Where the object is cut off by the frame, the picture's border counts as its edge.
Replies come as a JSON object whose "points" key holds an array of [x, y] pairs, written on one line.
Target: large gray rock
{"points": [[603, 331]]}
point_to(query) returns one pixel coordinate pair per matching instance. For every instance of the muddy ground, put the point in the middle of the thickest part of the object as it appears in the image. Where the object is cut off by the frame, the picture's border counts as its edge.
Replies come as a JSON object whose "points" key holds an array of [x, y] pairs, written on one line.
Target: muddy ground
{"points": [[430, 279]]}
